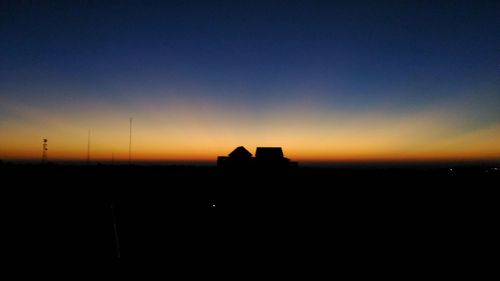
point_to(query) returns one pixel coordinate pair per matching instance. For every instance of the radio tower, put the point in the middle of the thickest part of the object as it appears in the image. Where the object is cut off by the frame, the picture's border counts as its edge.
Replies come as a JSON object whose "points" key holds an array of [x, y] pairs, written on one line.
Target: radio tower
{"points": [[88, 149], [44, 151], [130, 144]]}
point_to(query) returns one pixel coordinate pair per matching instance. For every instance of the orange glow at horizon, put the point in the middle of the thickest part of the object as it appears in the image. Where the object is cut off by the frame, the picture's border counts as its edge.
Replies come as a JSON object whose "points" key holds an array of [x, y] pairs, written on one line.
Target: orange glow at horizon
{"points": [[183, 131]]}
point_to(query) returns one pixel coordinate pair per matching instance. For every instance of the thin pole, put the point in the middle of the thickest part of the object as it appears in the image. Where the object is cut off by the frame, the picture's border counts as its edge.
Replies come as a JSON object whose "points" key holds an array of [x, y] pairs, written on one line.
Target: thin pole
{"points": [[88, 149], [130, 144], [44, 151], [115, 230]]}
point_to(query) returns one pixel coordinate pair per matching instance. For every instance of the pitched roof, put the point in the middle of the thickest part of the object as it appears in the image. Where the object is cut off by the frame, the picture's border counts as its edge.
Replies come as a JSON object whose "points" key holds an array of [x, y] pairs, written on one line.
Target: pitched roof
{"points": [[240, 152]]}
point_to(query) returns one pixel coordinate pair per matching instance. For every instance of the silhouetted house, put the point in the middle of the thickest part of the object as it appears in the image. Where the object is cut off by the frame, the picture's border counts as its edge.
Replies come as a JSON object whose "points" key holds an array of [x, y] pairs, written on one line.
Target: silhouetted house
{"points": [[240, 153], [269, 154], [271, 157], [240, 157], [265, 157]]}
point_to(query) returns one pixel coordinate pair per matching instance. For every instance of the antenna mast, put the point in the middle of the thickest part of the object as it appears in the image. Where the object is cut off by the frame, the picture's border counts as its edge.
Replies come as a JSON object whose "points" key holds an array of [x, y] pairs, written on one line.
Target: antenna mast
{"points": [[44, 151], [130, 144], [88, 149]]}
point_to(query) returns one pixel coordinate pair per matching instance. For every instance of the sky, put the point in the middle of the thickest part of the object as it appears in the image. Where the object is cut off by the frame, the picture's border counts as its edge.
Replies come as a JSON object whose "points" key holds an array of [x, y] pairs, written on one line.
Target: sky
{"points": [[326, 80]]}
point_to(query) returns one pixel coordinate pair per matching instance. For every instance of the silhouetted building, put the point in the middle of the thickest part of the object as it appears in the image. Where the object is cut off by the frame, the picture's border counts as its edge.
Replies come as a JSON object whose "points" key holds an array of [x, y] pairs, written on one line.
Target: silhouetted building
{"points": [[265, 157], [240, 157], [271, 157], [240, 153], [269, 153]]}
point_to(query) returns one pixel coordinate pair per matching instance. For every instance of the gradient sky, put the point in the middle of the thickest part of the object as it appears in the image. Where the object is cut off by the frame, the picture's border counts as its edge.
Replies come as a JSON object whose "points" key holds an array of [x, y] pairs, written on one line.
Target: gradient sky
{"points": [[326, 80]]}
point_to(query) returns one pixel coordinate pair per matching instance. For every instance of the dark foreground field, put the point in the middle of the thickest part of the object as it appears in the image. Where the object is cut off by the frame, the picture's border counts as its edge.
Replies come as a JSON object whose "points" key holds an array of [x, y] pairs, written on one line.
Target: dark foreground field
{"points": [[201, 214]]}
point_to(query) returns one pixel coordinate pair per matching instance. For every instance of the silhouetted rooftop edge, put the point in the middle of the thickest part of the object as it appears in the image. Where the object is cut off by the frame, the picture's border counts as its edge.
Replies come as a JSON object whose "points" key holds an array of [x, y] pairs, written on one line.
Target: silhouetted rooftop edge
{"points": [[265, 157]]}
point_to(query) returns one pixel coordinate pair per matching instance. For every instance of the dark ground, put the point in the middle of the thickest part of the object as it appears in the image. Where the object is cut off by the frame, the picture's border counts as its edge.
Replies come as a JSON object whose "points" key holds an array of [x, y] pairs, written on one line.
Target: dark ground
{"points": [[395, 217]]}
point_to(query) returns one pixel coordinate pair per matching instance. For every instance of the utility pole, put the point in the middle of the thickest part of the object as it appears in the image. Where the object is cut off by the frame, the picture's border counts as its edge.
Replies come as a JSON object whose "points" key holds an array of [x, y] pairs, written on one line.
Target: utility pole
{"points": [[115, 230], [130, 144], [88, 149], [44, 151]]}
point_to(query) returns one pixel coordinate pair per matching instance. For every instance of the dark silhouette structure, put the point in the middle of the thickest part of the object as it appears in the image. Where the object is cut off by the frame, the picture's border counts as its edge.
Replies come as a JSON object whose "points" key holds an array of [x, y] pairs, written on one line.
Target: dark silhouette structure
{"points": [[265, 157], [240, 157], [240, 153], [44, 151], [269, 153]]}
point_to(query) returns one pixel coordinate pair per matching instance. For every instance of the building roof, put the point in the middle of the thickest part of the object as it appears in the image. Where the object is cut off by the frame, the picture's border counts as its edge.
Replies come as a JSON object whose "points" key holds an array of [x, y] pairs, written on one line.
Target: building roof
{"points": [[240, 153], [269, 153]]}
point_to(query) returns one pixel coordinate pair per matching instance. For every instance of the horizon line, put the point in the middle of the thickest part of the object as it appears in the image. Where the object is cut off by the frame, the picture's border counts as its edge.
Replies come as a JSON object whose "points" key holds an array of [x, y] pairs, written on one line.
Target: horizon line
{"points": [[301, 162]]}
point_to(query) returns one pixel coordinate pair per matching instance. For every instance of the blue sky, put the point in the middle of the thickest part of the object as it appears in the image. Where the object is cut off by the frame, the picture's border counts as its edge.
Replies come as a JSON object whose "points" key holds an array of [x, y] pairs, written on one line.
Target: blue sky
{"points": [[352, 58]]}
